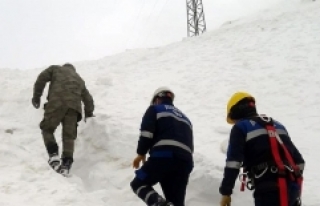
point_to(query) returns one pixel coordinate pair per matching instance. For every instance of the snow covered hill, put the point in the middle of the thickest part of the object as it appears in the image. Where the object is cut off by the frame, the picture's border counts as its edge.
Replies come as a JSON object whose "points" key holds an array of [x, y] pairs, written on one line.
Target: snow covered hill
{"points": [[274, 55]]}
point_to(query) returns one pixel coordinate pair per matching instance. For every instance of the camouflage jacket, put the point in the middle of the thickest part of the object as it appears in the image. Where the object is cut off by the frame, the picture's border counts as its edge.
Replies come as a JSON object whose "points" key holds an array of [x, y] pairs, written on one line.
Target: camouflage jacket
{"points": [[67, 89]]}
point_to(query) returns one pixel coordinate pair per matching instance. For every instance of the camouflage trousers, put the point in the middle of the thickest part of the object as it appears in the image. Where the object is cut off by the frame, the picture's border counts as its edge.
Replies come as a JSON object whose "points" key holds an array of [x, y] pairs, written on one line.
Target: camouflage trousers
{"points": [[68, 118]]}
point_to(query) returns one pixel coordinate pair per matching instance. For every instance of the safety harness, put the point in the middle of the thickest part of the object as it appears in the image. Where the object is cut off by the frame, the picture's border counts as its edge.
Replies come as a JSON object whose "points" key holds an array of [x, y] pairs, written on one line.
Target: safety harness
{"points": [[280, 165]]}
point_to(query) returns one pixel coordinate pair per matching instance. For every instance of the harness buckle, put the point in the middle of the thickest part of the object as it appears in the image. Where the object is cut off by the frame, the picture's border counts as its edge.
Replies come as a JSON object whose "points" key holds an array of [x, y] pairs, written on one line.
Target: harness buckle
{"points": [[289, 168], [242, 177], [274, 169], [250, 185]]}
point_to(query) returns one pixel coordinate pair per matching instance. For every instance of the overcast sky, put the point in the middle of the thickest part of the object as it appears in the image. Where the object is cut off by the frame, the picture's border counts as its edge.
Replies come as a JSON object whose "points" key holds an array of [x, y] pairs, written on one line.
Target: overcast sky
{"points": [[37, 33]]}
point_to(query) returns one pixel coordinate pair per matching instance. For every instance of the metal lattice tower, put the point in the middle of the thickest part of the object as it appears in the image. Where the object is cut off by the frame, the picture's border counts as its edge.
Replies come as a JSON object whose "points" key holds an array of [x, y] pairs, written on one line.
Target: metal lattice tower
{"points": [[195, 15]]}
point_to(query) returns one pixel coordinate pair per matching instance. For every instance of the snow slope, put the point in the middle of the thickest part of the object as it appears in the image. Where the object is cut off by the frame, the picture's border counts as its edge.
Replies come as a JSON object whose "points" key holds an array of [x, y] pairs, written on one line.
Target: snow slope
{"points": [[274, 55]]}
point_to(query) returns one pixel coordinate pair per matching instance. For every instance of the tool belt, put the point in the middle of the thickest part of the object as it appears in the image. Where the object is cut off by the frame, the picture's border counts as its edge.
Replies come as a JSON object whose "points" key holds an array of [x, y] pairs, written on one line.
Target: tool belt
{"points": [[270, 169]]}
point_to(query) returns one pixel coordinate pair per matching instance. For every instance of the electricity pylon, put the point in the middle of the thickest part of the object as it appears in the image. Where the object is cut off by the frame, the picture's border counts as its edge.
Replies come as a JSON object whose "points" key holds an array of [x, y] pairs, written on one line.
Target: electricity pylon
{"points": [[195, 15]]}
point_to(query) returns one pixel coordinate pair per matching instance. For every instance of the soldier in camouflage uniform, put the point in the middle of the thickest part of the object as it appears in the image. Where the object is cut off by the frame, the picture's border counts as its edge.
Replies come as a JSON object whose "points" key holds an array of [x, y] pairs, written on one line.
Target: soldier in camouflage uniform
{"points": [[66, 92]]}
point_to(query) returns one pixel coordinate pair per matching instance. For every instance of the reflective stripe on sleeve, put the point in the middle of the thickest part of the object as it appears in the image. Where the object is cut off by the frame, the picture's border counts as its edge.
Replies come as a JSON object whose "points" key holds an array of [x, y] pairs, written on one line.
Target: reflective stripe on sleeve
{"points": [[233, 164], [146, 134]]}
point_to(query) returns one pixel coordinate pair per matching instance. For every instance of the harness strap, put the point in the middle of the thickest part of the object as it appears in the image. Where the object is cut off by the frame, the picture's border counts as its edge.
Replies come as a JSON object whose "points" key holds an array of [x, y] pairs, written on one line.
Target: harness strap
{"points": [[298, 177], [281, 169]]}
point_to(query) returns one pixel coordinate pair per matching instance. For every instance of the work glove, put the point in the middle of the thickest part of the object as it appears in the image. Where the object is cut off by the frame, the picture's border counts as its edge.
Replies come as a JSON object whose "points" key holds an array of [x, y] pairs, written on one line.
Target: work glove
{"points": [[225, 200], [36, 102], [137, 160], [88, 115]]}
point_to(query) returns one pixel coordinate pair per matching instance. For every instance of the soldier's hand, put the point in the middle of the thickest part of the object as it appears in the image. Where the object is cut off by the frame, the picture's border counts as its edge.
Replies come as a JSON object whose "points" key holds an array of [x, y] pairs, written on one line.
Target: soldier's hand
{"points": [[88, 116], [36, 102], [225, 200], [137, 160]]}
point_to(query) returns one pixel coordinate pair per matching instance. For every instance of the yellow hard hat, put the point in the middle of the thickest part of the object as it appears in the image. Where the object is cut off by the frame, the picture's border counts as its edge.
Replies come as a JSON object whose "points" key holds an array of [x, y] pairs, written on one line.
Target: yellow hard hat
{"points": [[236, 97]]}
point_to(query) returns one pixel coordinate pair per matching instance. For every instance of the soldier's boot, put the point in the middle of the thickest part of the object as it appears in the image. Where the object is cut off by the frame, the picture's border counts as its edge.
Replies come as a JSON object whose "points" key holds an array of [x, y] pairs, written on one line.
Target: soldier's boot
{"points": [[54, 161], [65, 166]]}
